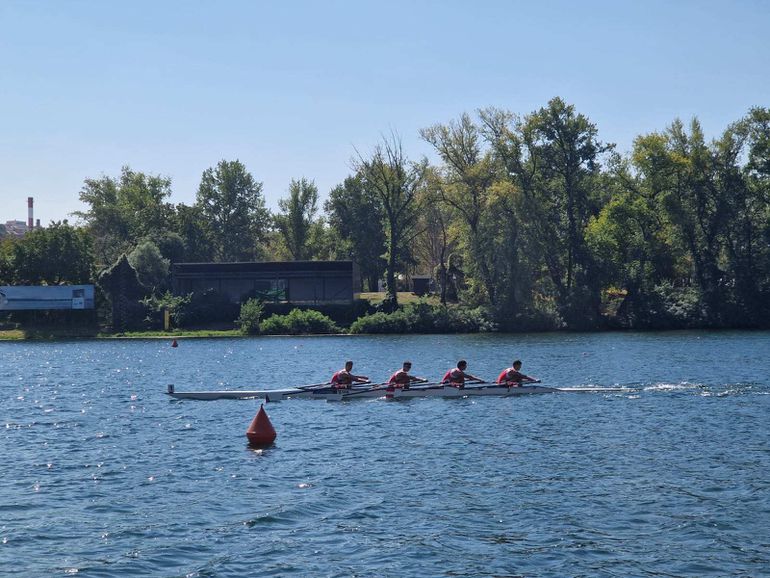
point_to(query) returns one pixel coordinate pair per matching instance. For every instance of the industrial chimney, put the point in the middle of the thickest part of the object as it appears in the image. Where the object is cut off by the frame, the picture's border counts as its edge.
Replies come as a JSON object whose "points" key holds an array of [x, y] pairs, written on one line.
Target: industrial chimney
{"points": [[30, 220]]}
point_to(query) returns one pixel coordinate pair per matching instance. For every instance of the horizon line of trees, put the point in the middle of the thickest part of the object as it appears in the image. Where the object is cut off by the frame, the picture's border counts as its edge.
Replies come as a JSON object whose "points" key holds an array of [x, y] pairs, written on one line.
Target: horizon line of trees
{"points": [[530, 216]]}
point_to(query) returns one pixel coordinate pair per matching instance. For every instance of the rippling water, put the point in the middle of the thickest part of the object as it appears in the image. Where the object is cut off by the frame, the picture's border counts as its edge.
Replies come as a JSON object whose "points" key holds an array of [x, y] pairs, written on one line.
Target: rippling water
{"points": [[103, 475]]}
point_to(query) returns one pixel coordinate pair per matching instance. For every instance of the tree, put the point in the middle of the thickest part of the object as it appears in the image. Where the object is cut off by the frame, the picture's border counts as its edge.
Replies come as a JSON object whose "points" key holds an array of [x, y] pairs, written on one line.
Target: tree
{"points": [[296, 220], [357, 218], [195, 231], [123, 210], [468, 178], [438, 238], [56, 255], [394, 180], [124, 290], [715, 196], [553, 157], [231, 201], [150, 266]]}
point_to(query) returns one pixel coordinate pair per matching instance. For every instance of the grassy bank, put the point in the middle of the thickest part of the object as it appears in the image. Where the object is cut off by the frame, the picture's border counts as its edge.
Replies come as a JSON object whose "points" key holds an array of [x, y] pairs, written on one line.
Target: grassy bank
{"points": [[68, 333]]}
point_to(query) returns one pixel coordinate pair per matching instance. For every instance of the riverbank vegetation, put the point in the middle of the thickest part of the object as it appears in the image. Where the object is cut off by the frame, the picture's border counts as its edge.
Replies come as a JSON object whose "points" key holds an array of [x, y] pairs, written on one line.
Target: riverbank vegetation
{"points": [[525, 222]]}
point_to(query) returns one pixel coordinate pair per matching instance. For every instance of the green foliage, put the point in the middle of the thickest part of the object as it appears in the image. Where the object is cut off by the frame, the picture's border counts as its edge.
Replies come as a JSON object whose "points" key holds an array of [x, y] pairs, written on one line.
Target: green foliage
{"points": [[298, 322], [296, 219], [356, 217], [123, 210], [196, 234], [552, 159], [529, 218], [151, 268], [251, 313], [7, 270], [55, 255], [664, 307], [121, 286], [424, 317], [176, 305], [231, 202], [394, 181]]}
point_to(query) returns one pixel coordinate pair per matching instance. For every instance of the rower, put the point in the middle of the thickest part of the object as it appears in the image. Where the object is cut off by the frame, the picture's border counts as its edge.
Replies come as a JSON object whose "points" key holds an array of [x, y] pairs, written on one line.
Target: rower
{"points": [[513, 377], [456, 377], [402, 379], [343, 379]]}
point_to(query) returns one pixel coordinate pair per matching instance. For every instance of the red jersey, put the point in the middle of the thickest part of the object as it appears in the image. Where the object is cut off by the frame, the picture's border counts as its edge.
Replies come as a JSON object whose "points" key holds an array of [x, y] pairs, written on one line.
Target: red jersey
{"points": [[510, 375], [342, 378], [400, 377], [454, 377]]}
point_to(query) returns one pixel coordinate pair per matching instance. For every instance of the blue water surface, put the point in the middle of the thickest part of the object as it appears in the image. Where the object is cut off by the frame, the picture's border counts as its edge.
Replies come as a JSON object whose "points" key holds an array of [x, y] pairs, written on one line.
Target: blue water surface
{"points": [[104, 475]]}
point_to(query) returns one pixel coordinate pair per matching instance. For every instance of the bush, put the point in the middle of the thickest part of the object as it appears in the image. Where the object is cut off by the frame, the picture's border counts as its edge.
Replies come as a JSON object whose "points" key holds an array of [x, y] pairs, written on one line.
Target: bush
{"points": [[175, 304], [248, 320], [380, 322], [424, 317], [298, 322]]}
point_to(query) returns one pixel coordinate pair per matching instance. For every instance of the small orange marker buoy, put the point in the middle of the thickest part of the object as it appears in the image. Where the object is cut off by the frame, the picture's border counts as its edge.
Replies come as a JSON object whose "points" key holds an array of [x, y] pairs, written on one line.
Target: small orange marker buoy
{"points": [[261, 432], [174, 343]]}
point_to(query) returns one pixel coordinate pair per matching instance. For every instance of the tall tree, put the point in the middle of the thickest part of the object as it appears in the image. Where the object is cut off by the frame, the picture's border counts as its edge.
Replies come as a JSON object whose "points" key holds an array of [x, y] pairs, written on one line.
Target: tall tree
{"points": [[468, 178], [122, 210], [553, 157], [394, 180], [195, 231], [151, 267], [438, 238], [295, 222], [54, 255], [716, 198], [357, 218], [232, 203]]}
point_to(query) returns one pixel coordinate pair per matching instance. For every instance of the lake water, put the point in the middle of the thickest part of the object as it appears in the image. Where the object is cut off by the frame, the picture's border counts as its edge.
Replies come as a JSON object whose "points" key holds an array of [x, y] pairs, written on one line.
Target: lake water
{"points": [[104, 475]]}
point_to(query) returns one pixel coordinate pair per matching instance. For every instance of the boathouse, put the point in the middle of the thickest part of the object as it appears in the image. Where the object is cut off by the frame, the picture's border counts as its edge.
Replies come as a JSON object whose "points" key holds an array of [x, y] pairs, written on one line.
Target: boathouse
{"points": [[298, 282]]}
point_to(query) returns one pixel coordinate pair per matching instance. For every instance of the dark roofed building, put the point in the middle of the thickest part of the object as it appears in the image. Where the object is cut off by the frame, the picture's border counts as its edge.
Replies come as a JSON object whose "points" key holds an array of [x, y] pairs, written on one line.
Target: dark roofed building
{"points": [[300, 282]]}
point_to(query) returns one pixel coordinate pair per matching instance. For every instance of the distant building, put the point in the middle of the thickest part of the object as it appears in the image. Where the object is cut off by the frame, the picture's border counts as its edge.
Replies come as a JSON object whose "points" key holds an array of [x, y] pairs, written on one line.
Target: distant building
{"points": [[16, 228], [300, 282]]}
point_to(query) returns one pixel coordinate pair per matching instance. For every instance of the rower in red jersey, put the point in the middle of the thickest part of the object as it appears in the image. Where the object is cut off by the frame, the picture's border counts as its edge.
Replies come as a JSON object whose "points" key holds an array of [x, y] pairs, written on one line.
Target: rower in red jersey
{"points": [[343, 379], [456, 377], [513, 377], [402, 379]]}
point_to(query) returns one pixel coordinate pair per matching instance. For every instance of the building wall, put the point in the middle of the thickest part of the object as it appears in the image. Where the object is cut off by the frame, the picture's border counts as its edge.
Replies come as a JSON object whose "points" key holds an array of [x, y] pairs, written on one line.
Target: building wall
{"points": [[300, 282]]}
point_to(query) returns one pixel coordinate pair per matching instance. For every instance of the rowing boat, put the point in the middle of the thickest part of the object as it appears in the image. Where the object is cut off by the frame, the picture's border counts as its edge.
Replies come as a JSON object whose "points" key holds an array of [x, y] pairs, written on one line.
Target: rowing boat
{"points": [[358, 392]]}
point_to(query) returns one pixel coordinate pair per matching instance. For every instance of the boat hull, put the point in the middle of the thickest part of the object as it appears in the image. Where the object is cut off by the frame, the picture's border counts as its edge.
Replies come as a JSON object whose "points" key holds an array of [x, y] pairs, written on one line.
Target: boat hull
{"points": [[329, 394]]}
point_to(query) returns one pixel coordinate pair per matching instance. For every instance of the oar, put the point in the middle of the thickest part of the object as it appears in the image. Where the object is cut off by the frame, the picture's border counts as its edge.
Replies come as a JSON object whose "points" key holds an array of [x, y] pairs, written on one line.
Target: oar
{"points": [[311, 386], [375, 386], [427, 385]]}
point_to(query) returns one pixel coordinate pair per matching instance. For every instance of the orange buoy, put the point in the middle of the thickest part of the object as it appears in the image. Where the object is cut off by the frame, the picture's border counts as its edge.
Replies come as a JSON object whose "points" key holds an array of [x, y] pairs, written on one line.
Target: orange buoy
{"points": [[261, 432], [174, 343]]}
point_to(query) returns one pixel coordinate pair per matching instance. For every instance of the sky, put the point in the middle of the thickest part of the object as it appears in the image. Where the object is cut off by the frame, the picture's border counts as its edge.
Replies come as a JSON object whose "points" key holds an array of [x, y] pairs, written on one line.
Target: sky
{"points": [[293, 89]]}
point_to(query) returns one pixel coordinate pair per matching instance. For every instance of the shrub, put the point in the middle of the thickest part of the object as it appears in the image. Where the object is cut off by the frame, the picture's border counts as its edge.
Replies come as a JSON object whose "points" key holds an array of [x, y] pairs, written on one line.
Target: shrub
{"points": [[156, 304], [248, 320], [381, 322], [298, 322], [424, 317]]}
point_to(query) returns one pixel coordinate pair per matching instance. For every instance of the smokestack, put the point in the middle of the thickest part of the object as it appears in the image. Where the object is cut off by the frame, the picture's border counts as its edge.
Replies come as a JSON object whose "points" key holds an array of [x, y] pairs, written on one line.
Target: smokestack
{"points": [[37, 223], [30, 220]]}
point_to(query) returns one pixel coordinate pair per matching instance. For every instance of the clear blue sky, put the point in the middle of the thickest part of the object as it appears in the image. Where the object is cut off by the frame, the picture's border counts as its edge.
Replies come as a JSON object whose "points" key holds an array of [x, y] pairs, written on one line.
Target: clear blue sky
{"points": [[293, 88]]}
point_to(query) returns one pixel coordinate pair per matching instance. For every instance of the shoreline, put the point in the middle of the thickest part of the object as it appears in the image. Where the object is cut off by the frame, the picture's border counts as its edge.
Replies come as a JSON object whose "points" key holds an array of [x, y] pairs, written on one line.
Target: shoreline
{"points": [[52, 335]]}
